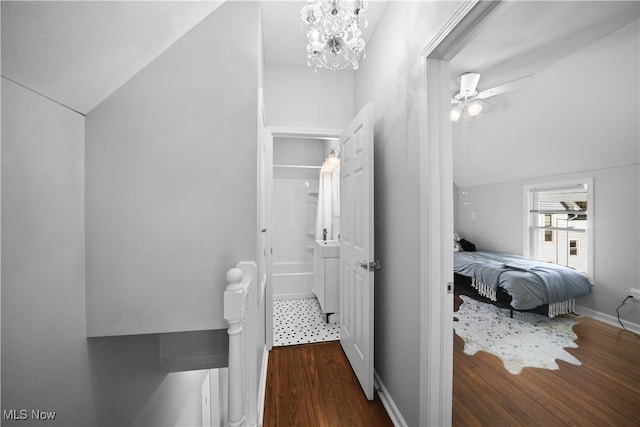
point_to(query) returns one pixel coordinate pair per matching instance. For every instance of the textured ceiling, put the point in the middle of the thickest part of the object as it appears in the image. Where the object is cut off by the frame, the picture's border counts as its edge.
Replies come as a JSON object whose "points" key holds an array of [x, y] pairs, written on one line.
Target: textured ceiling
{"points": [[79, 52]]}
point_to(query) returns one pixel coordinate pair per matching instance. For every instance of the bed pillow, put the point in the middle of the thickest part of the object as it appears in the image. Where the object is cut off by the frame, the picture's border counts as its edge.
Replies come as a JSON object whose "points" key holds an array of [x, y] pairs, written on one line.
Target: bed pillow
{"points": [[467, 246]]}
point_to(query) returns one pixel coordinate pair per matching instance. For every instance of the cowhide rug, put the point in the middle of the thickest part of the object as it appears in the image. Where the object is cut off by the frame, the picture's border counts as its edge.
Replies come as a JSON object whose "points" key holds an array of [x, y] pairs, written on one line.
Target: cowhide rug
{"points": [[527, 339]]}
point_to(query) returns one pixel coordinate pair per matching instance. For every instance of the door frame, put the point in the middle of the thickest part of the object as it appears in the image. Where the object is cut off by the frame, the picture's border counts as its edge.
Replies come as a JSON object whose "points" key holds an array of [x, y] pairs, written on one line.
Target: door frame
{"points": [[273, 132], [436, 207]]}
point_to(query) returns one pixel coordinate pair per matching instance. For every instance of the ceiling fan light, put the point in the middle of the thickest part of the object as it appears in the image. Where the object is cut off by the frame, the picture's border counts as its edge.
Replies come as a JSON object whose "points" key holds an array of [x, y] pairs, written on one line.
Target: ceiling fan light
{"points": [[455, 113], [474, 109]]}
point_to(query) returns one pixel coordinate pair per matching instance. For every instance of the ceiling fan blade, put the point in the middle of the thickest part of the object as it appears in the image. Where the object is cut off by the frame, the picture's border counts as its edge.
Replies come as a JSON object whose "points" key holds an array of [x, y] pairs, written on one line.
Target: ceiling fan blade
{"points": [[503, 87], [468, 84], [486, 106]]}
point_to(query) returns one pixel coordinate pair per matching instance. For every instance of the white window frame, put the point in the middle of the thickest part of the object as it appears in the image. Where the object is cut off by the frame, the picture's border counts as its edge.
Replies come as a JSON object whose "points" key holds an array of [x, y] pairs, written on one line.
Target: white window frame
{"points": [[529, 249]]}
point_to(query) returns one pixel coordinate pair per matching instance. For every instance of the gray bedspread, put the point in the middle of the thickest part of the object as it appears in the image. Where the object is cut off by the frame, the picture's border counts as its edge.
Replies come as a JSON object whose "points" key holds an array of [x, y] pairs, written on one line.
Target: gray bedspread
{"points": [[529, 283]]}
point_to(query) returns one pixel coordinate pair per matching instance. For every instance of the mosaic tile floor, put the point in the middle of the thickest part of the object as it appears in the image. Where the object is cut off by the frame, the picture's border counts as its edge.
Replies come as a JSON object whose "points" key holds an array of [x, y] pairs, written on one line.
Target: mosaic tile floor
{"points": [[300, 321]]}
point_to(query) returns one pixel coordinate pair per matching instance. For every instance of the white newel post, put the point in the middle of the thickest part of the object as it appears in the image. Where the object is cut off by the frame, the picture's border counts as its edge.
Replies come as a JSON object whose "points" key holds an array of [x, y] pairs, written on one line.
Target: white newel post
{"points": [[233, 313]]}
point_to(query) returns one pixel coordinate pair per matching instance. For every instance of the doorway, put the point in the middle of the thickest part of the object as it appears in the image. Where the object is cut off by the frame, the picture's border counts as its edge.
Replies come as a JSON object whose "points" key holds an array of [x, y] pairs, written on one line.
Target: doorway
{"points": [[294, 160], [436, 209], [300, 171]]}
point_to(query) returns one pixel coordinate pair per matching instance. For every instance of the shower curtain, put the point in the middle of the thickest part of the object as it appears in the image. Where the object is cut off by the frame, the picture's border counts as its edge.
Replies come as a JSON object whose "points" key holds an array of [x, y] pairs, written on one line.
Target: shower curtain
{"points": [[328, 214]]}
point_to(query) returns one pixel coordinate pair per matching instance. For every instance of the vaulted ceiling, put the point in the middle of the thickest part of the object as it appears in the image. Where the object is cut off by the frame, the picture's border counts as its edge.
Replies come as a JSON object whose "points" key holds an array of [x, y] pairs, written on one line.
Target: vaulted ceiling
{"points": [[78, 53], [580, 110], [525, 37]]}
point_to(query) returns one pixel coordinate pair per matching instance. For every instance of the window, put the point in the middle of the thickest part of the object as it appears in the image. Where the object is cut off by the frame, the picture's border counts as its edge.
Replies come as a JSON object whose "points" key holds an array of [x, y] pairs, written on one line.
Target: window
{"points": [[559, 218], [548, 234], [574, 247]]}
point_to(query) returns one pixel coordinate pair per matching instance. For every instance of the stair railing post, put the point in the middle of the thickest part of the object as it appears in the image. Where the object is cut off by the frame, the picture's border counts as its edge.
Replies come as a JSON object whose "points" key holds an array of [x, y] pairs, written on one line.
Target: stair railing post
{"points": [[234, 315]]}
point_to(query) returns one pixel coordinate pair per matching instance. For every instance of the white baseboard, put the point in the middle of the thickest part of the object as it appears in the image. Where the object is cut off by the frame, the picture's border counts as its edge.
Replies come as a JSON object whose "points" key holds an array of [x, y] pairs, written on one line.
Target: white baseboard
{"points": [[610, 320], [387, 402], [296, 295], [262, 386]]}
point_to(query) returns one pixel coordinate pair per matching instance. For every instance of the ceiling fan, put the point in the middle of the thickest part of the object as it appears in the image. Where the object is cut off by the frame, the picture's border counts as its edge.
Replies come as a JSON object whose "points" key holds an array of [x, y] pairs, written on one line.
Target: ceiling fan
{"points": [[471, 100]]}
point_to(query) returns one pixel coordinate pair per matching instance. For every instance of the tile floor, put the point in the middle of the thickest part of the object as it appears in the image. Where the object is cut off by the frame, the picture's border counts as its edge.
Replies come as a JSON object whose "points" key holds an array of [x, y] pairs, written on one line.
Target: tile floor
{"points": [[300, 321]]}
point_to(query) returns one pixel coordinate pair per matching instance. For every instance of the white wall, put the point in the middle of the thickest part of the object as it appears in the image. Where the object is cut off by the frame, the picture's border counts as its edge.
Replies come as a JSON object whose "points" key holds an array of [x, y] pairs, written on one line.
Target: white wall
{"points": [[300, 98], [294, 209], [130, 387], [43, 257], [172, 182], [47, 361], [294, 218], [389, 78]]}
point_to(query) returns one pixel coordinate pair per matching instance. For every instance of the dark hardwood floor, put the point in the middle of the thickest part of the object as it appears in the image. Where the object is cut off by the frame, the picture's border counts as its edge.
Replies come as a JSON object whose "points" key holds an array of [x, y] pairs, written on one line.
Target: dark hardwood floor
{"points": [[603, 391], [313, 385]]}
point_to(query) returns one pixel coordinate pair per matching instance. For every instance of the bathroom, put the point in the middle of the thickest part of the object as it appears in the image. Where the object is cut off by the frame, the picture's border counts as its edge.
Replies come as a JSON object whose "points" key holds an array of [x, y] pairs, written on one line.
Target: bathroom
{"points": [[300, 217]]}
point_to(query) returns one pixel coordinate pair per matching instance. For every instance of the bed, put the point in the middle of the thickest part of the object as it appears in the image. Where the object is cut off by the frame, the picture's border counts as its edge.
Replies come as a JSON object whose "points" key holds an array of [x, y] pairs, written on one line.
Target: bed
{"points": [[521, 283]]}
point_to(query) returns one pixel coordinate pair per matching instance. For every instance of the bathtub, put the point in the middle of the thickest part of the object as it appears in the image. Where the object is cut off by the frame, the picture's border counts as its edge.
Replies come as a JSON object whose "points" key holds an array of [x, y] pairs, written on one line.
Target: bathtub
{"points": [[292, 280]]}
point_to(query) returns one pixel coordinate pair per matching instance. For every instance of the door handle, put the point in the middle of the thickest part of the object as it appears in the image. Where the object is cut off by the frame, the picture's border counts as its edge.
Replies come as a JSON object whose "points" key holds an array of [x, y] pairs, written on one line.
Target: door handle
{"points": [[370, 265]]}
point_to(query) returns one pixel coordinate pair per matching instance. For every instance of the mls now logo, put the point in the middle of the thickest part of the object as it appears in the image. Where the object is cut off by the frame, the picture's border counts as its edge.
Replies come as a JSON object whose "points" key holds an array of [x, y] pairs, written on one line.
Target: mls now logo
{"points": [[23, 414]]}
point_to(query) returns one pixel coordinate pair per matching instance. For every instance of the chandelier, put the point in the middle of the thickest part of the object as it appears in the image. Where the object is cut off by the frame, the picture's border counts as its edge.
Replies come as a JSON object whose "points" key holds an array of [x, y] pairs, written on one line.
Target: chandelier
{"points": [[334, 32]]}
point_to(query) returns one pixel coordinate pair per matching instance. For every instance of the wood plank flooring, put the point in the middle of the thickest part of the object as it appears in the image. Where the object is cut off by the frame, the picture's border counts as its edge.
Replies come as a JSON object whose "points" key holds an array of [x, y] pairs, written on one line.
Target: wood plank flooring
{"points": [[313, 385], [603, 391]]}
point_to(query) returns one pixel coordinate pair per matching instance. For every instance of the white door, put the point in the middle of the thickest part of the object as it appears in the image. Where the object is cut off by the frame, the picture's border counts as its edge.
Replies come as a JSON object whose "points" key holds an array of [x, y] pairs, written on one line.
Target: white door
{"points": [[356, 246], [267, 248], [265, 186], [263, 136]]}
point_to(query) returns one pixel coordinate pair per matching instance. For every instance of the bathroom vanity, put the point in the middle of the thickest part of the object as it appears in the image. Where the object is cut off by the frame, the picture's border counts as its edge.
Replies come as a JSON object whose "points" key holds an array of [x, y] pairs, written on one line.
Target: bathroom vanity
{"points": [[326, 284]]}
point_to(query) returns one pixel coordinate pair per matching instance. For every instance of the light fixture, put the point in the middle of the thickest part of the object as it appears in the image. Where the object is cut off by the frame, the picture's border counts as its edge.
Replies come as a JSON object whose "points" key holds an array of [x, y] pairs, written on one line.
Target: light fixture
{"points": [[333, 159], [456, 112], [472, 109], [334, 32]]}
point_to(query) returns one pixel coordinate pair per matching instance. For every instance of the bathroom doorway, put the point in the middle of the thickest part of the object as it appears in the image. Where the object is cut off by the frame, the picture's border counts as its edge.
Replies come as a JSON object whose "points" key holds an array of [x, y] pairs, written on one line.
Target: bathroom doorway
{"points": [[293, 199]]}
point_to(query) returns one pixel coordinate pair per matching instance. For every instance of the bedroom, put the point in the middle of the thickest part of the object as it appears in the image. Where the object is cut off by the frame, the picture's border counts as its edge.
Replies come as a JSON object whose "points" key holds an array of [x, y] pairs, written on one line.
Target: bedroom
{"points": [[571, 121]]}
